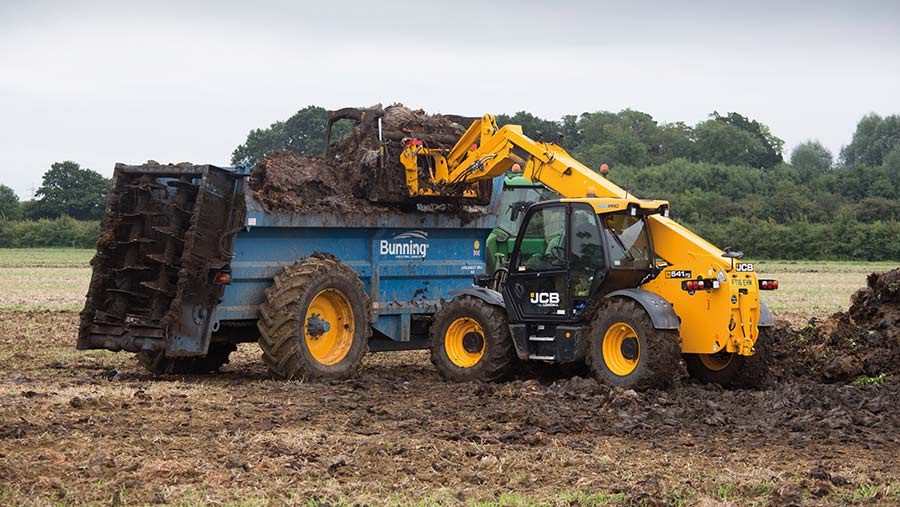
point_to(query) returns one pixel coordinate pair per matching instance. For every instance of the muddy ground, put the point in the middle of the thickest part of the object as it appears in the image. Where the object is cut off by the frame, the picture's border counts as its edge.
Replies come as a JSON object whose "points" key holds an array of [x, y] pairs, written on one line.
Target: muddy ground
{"points": [[857, 345], [91, 427]]}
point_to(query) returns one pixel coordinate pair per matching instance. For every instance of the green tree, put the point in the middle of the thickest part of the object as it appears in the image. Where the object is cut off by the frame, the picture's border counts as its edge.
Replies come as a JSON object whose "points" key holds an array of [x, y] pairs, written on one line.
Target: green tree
{"points": [[875, 137], [891, 164], [719, 142], [571, 132], [10, 207], [623, 138], [69, 190], [533, 126], [676, 140], [302, 133], [811, 158], [768, 154]]}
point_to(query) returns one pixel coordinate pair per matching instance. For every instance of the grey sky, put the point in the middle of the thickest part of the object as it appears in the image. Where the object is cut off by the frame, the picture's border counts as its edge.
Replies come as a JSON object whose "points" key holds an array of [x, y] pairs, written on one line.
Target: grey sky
{"points": [[101, 82]]}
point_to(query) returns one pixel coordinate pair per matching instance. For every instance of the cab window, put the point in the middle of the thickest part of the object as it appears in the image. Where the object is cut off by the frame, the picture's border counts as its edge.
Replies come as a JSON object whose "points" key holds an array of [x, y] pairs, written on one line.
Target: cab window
{"points": [[587, 250], [629, 245], [543, 245]]}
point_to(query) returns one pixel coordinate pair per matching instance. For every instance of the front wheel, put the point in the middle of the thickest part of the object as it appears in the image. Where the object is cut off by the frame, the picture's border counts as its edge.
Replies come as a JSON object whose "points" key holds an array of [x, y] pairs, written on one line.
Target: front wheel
{"points": [[470, 341], [627, 351], [732, 370]]}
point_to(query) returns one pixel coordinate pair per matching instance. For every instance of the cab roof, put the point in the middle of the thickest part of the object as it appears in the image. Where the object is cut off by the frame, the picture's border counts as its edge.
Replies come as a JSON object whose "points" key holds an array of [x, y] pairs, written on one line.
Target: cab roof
{"points": [[618, 204]]}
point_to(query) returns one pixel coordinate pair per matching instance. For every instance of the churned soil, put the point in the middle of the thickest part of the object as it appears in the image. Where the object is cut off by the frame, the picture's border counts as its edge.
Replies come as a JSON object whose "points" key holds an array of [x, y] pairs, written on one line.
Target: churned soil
{"points": [[287, 182], [860, 344], [92, 427]]}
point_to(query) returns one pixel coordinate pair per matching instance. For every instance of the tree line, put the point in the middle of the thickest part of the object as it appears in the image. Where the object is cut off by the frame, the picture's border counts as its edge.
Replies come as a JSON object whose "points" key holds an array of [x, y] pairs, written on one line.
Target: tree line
{"points": [[727, 178]]}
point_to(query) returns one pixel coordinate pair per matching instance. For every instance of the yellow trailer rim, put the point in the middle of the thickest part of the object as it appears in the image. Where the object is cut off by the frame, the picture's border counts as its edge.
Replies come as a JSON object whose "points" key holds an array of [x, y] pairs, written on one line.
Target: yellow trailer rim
{"points": [[464, 342], [621, 349], [329, 327]]}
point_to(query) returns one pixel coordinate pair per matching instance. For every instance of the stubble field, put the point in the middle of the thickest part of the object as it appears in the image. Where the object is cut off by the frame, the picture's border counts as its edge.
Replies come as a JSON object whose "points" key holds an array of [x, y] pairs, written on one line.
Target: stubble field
{"points": [[93, 428]]}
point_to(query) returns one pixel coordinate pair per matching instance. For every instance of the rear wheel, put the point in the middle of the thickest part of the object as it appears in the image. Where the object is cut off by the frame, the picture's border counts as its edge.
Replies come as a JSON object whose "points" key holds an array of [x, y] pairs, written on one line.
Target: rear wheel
{"points": [[315, 321], [733, 370], [627, 351], [720, 368], [158, 363], [470, 340]]}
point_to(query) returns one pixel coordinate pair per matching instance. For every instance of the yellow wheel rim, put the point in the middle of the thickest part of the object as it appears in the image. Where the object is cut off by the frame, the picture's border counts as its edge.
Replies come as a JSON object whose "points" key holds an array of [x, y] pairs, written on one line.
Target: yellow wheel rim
{"points": [[464, 342], [621, 349], [329, 327], [716, 362]]}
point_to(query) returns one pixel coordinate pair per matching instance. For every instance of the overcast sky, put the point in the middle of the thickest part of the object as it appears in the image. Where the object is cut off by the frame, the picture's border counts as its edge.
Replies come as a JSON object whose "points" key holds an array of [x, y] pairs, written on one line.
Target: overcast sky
{"points": [[107, 82]]}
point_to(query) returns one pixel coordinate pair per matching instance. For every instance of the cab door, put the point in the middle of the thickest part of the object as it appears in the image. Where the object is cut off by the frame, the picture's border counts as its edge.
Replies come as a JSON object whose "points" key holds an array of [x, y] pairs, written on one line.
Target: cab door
{"points": [[537, 287]]}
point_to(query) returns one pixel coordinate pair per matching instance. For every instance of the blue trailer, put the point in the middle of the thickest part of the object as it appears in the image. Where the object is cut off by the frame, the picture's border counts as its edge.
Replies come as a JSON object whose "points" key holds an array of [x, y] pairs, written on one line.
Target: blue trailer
{"points": [[189, 263]]}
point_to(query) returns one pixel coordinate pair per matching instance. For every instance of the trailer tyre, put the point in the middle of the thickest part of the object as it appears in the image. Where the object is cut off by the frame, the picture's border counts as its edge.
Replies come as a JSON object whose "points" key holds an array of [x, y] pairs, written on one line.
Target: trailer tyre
{"points": [[627, 351], [470, 341], [315, 322], [158, 363]]}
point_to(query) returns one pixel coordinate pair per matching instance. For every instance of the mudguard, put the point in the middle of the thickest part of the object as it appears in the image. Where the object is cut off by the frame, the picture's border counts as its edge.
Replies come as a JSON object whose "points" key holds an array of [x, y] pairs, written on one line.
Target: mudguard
{"points": [[661, 313], [489, 296], [765, 316]]}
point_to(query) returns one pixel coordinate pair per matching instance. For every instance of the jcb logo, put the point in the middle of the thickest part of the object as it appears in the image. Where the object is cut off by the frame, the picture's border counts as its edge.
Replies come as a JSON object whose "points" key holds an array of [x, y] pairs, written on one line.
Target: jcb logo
{"points": [[545, 298], [744, 267]]}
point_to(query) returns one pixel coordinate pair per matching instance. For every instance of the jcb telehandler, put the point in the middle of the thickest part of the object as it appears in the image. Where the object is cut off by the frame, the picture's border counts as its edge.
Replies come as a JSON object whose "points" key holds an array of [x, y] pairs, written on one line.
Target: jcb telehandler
{"points": [[599, 275]]}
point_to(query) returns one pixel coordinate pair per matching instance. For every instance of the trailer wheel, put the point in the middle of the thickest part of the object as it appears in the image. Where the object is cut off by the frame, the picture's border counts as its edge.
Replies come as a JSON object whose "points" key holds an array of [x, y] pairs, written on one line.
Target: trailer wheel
{"points": [[470, 341], [627, 351], [315, 322], [731, 369], [158, 363]]}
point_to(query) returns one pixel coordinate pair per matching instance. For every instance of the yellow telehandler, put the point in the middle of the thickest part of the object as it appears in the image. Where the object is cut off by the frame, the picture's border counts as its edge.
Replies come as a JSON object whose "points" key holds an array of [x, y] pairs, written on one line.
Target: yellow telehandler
{"points": [[598, 276]]}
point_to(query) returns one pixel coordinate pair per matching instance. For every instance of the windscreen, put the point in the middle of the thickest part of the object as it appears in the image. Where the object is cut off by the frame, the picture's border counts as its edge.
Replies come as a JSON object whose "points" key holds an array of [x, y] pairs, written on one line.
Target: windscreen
{"points": [[520, 195]]}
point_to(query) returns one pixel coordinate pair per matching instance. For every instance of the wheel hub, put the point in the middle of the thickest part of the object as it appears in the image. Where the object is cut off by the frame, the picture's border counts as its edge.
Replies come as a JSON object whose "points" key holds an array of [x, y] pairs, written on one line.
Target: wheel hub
{"points": [[316, 326], [464, 342], [473, 342], [621, 349], [329, 327], [630, 349]]}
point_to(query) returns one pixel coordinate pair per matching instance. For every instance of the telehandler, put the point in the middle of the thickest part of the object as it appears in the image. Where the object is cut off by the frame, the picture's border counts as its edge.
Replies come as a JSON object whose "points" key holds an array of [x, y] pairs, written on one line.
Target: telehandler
{"points": [[599, 275]]}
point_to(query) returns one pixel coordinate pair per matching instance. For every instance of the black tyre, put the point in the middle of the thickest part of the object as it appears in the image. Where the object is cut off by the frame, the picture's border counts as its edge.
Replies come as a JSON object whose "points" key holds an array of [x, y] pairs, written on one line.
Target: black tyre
{"points": [[158, 363], [733, 370], [721, 368], [470, 341], [315, 322], [627, 351]]}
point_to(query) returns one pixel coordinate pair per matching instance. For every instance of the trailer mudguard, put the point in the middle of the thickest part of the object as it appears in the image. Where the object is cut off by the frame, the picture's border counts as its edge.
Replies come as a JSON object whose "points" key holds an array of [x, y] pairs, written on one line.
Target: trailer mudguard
{"points": [[489, 296], [765, 316], [661, 313]]}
